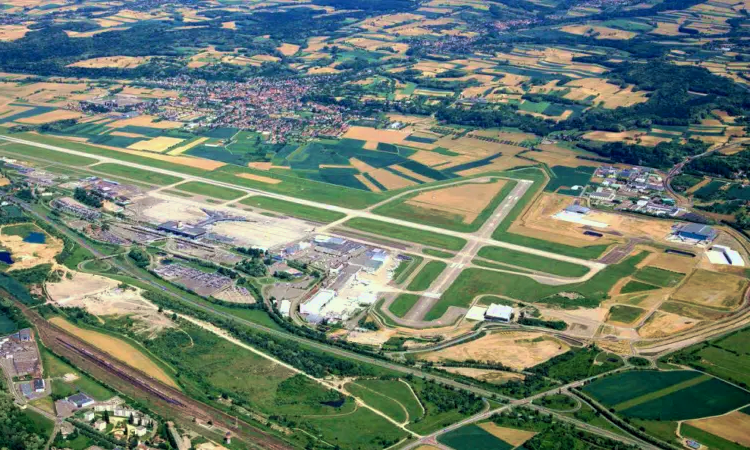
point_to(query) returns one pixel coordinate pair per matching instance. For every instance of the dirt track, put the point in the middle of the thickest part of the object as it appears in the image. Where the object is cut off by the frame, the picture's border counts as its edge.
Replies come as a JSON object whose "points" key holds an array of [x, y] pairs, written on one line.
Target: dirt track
{"points": [[163, 399]]}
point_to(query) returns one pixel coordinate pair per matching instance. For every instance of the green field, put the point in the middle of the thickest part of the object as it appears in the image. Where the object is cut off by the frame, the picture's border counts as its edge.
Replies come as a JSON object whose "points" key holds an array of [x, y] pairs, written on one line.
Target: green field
{"points": [[727, 357], [636, 286], [437, 218], [577, 364], [427, 275], [293, 209], [406, 234], [391, 397], [54, 367], [624, 313], [443, 406], [673, 395], [659, 277], [210, 190], [473, 282], [534, 262], [132, 173], [402, 304], [558, 402], [472, 437], [22, 150]]}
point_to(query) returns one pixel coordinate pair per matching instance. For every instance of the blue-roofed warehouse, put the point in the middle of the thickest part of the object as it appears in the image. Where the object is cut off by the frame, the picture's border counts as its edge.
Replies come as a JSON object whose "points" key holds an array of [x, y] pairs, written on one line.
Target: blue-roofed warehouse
{"points": [[697, 232]]}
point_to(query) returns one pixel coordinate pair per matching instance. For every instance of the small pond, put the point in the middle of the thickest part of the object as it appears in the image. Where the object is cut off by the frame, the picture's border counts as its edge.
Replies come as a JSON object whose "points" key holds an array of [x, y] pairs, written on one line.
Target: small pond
{"points": [[5, 257], [35, 238]]}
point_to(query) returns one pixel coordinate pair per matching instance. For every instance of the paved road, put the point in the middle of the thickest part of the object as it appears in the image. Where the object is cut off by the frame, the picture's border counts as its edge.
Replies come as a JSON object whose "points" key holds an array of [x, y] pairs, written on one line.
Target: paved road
{"points": [[351, 213]]}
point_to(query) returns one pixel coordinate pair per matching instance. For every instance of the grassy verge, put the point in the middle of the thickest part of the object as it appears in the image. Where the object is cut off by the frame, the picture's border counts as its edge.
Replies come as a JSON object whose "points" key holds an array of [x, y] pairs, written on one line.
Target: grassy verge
{"points": [[293, 209], [534, 262], [403, 304], [437, 253], [133, 173], [405, 268], [427, 275], [406, 234], [23, 150]]}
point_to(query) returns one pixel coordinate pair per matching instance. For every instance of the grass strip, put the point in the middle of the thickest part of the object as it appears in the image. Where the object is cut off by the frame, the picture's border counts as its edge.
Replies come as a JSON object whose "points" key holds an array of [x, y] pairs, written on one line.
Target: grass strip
{"points": [[406, 234], [427, 275], [303, 212], [403, 304], [533, 262], [210, 190]]}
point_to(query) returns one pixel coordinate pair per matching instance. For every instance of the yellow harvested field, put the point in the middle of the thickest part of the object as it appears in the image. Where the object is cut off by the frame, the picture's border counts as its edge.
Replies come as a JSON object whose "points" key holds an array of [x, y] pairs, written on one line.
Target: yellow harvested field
{"points": [[390, 180], [598, 31], [662, 324], [716, 289], [321, 70], [157, 144], [85, 34], [372, 134], [145, 121], [667, 29], [261, 178], [12, 32], [117, 348], [512, 436], [734, 427], [466, 200], [674, 262], [119, 62], [184, 148], [52, 116], [610, 136], [229, 25], [198, 163], [518, 350], [288, 49]]}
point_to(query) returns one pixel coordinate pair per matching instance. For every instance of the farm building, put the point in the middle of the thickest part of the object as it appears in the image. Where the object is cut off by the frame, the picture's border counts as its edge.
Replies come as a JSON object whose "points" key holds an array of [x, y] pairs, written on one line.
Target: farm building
{"points": [[696, 232], [500, 313], [38, 385]]}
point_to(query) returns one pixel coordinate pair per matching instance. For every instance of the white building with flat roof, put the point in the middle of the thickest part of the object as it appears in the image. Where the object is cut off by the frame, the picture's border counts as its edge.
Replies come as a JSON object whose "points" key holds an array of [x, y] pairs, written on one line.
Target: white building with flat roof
{"points": [[502, 313], [316, 304]]}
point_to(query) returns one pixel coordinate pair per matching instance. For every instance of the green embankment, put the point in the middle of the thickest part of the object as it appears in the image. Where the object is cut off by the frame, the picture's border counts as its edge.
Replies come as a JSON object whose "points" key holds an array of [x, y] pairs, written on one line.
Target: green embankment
{"points": [[402, 304]]}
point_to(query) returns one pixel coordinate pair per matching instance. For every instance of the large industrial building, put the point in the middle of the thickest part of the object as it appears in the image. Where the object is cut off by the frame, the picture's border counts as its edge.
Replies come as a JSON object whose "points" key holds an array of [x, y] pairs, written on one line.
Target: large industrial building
{"points": [[696, 232], [500, 313]]}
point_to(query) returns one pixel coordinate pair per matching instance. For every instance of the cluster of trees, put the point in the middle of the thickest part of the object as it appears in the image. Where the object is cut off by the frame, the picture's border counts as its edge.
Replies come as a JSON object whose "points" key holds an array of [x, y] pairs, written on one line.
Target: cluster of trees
{"points": [[552, 324], [255, 267], [723, 166], [92, 199], [664, 155], [140, 257], [17, 430]]}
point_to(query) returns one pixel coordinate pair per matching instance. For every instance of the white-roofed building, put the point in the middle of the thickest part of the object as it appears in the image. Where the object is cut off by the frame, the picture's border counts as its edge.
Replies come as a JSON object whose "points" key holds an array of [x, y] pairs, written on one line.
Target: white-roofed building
{"points": [[318, 302], [285, 308], [720, 254], [501, 313]]}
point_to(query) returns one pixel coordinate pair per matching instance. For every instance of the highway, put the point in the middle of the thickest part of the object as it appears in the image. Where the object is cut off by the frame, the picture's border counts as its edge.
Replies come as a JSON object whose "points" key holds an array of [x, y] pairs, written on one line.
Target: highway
{"points": [[350, 213]]}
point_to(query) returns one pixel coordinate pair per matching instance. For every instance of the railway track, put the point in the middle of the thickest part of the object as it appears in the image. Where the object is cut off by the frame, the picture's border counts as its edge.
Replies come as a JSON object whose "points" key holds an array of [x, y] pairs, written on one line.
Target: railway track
{"points": [[164, 399]]}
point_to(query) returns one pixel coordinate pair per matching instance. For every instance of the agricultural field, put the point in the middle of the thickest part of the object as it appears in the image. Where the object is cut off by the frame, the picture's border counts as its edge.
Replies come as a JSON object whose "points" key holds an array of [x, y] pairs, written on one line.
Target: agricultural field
{"points": [[675, 395]]}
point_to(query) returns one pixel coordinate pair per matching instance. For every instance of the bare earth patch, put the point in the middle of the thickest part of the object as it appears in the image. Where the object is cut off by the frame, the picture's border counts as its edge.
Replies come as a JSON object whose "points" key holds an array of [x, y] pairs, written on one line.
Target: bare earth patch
{"points": [[261, 178], [487, 375], [515, 350], [715, 289], [734, 427], [662, 324]]}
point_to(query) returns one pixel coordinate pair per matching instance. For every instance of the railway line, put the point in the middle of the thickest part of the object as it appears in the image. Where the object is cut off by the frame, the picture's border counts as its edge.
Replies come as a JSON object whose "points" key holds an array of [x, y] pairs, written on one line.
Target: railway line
{"points": [[163, 399]]}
